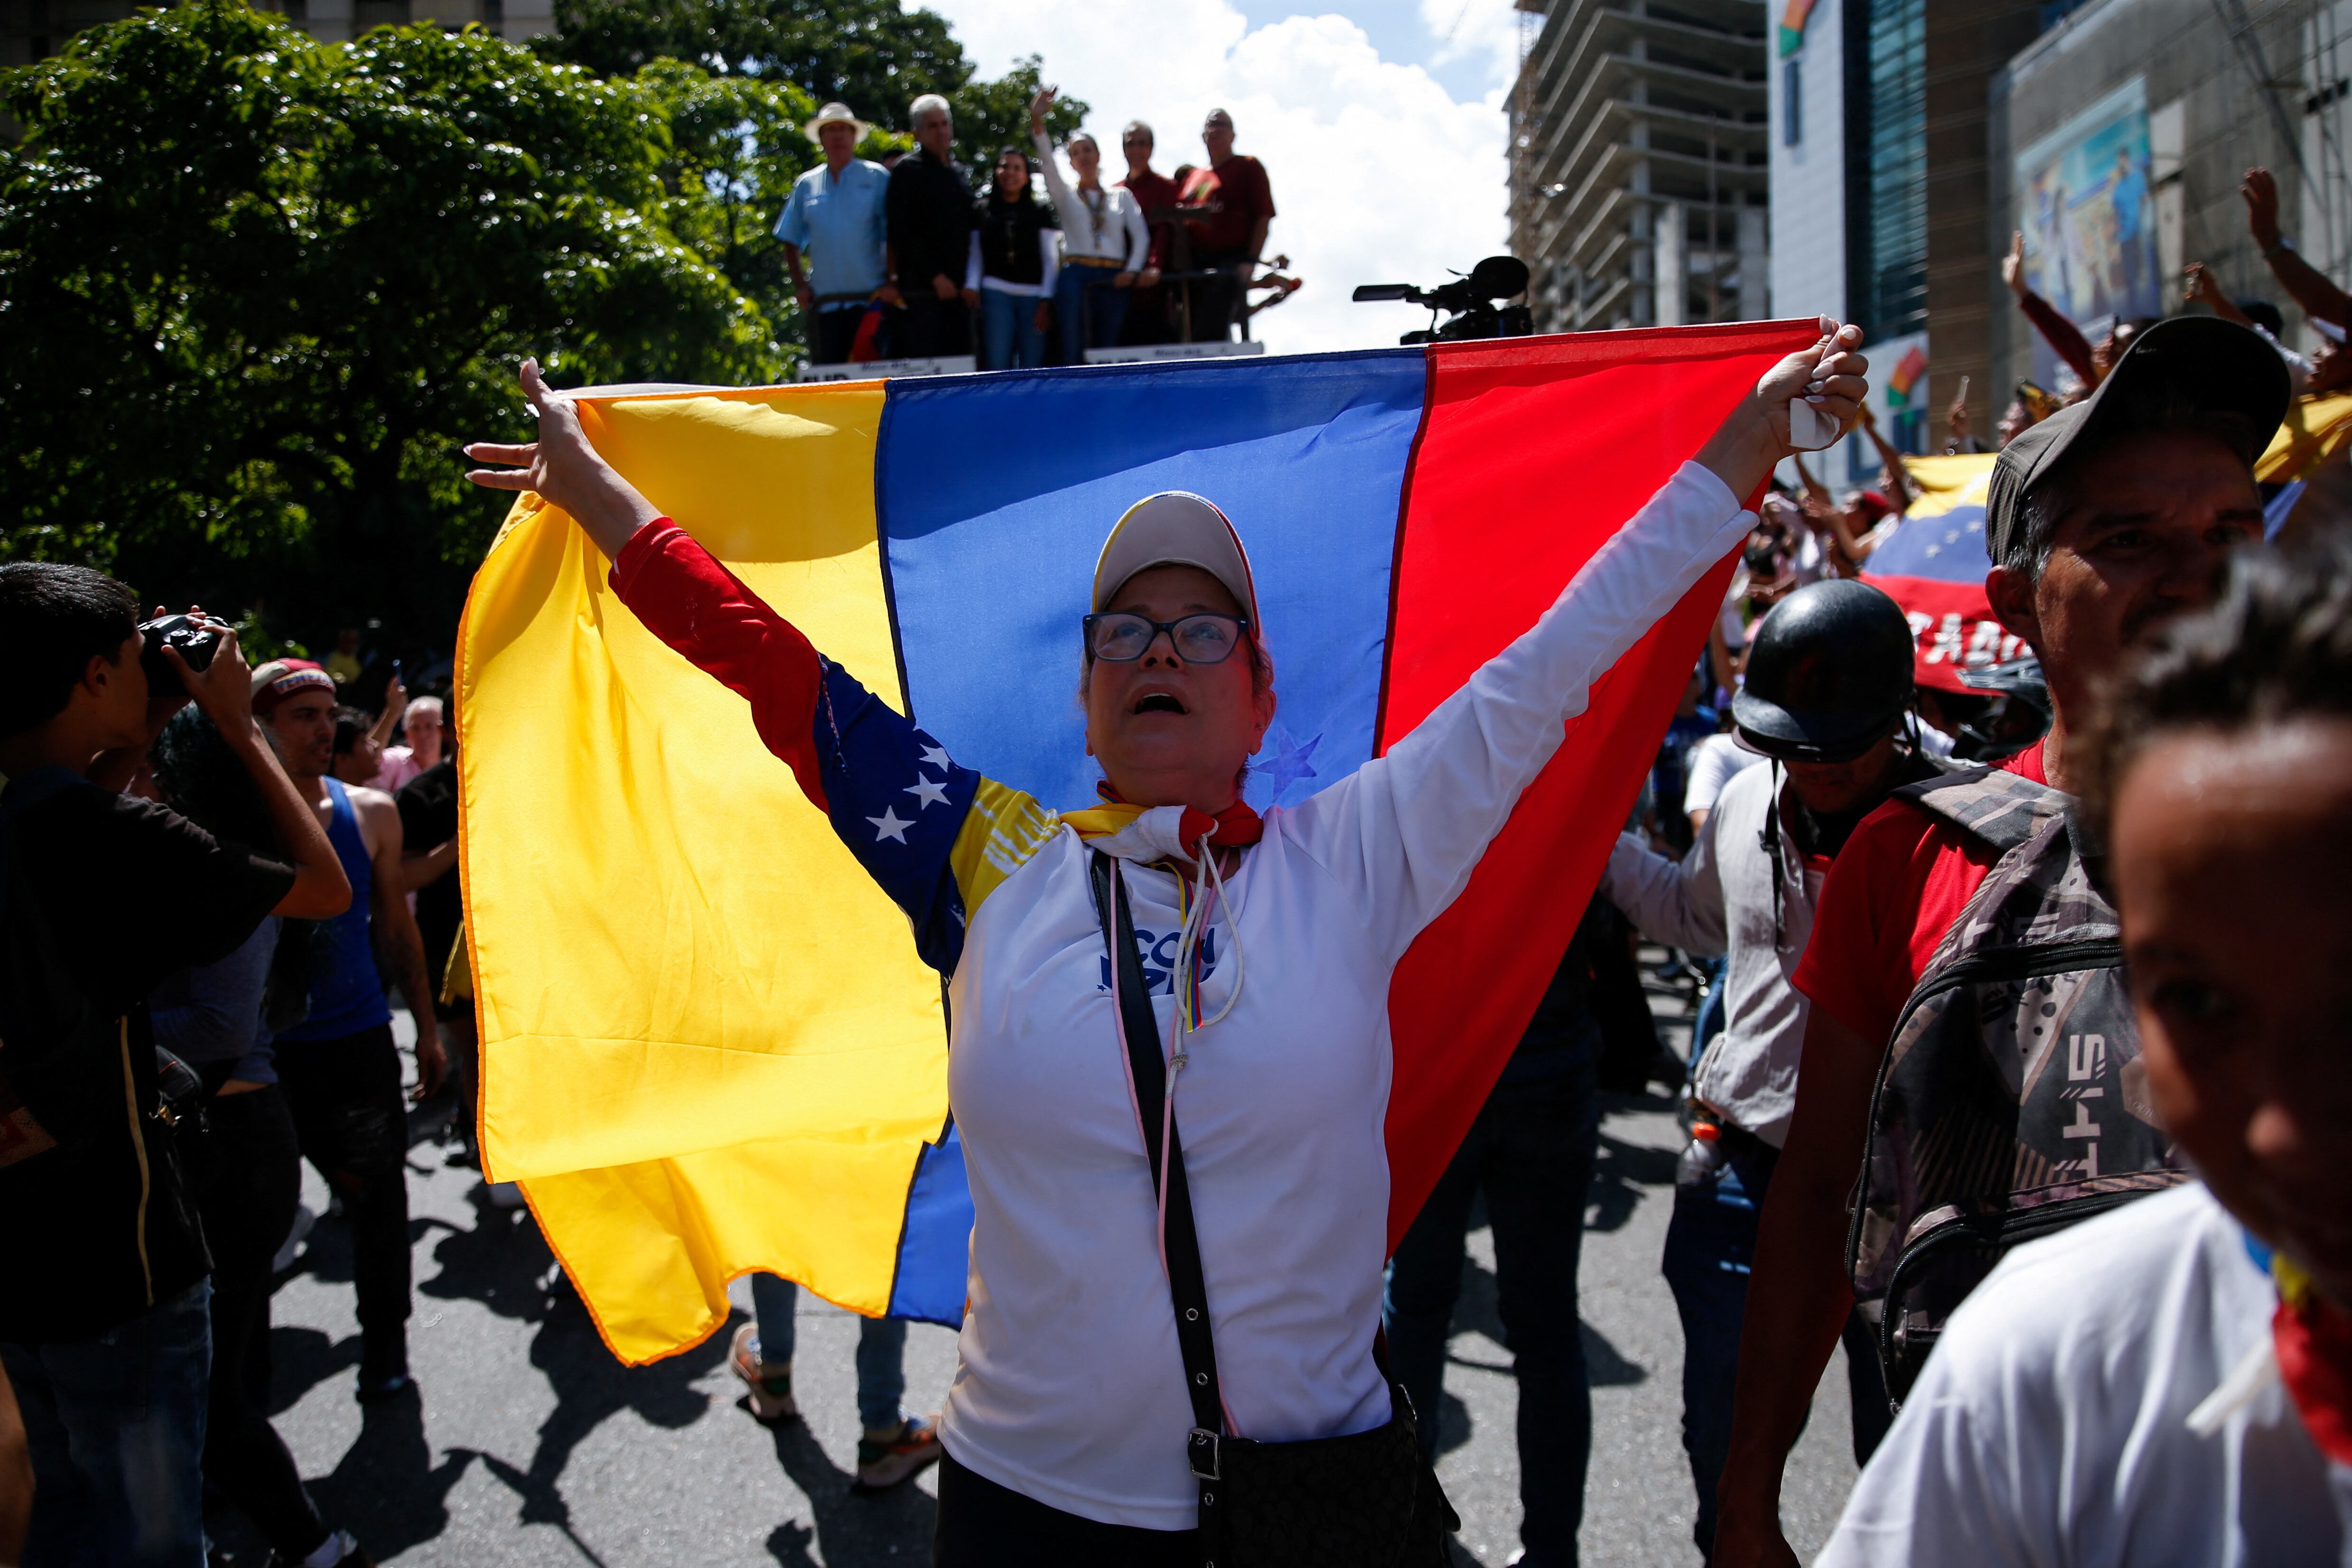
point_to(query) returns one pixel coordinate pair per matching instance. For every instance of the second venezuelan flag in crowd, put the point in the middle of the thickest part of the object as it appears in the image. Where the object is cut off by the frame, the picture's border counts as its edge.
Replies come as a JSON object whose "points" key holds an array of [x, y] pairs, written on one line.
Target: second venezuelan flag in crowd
{"points": [[709, 1043]]}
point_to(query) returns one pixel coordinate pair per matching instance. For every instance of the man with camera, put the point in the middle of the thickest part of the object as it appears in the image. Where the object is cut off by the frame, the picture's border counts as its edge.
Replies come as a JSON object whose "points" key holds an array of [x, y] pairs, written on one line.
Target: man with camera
{"points": [[103, 1299]]}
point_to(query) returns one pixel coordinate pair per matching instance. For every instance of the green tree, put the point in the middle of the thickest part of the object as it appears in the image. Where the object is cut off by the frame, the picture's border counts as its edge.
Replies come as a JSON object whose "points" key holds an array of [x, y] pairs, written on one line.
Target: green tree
{"points": [[991, 116], [869, 54], [254, 290]]}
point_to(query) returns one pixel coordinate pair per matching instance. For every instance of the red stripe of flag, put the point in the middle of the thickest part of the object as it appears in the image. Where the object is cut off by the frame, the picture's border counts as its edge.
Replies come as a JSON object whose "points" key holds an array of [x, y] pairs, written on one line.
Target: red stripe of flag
{"points": [[1533, 453]]}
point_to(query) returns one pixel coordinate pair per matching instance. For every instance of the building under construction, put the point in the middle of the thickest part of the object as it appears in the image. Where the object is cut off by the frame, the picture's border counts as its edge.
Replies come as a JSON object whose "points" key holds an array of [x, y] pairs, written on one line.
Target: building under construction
{"points": [[1638, 161]]}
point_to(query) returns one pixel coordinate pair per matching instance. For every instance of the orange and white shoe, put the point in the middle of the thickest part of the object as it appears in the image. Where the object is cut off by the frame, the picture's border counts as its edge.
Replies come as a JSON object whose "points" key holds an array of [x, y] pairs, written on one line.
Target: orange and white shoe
{"points": [[769, 1383], [885, 1462]]}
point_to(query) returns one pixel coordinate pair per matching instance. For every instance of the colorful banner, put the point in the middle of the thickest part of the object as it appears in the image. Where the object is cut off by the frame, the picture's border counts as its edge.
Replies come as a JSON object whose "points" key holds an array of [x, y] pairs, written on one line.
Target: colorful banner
{"points": [[709, 1047], [2088, 214]]}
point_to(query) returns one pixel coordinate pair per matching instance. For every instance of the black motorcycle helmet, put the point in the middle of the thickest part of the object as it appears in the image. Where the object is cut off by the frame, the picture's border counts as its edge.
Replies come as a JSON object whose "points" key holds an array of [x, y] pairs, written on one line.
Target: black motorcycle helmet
{"points": [[1829, 674]]}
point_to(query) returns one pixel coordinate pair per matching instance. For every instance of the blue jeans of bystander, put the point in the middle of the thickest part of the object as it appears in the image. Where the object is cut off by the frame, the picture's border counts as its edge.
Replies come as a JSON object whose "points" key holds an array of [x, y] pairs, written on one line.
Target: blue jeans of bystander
{"points": [[1088, 312], [1710, 1246], [116, 1423], [881, 1349], [1009, 334]]}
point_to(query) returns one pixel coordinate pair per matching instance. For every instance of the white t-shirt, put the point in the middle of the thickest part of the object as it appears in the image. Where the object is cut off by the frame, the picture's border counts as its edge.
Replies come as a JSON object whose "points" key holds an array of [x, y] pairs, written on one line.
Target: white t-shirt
{"points": [[1714, 762], [2051, 1427], [1070, 1388]]}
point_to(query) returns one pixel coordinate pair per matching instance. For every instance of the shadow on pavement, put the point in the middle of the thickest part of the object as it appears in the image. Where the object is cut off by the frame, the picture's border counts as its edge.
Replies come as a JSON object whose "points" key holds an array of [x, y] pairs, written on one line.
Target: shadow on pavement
{"points": [[854, 1529], [386, 1489]]}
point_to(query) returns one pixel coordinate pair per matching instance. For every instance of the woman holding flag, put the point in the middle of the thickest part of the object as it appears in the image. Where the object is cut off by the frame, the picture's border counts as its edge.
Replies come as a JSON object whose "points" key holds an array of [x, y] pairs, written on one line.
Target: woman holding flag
{"points": [[1170, 1055]]}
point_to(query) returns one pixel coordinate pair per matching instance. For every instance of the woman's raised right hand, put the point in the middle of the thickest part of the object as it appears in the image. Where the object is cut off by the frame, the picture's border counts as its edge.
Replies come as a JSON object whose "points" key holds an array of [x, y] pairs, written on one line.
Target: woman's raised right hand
{"points": [[564, 469]]}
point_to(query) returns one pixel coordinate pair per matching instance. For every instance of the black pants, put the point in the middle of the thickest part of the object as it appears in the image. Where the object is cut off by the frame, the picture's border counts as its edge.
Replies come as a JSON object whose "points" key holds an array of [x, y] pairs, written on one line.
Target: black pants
{"points": [[1216, 300], [255, 1178], [983, 1525], [1531, 1151], [833, 333], [931, 325], [354, 1128]]}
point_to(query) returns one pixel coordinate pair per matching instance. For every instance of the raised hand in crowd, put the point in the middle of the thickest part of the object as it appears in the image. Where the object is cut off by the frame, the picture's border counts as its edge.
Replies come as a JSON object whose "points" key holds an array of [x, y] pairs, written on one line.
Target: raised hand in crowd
{"points": [[2012, 266], [2309, 288]]}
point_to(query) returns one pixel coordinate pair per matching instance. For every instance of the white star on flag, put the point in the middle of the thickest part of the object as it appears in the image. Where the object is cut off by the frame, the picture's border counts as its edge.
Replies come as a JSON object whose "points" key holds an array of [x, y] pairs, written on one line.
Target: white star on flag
{"points": [[936, 758], [889, 826], [928, 791]]}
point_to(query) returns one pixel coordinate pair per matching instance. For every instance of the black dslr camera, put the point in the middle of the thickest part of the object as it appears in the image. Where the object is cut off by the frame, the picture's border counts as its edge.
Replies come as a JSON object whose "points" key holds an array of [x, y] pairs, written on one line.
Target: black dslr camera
{"points": [[1472, 302], [196, 641]]}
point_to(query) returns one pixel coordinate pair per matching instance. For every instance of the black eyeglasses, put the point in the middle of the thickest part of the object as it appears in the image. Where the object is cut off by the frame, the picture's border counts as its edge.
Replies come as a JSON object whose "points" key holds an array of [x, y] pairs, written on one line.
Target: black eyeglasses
{"points": [[1122, 638]]}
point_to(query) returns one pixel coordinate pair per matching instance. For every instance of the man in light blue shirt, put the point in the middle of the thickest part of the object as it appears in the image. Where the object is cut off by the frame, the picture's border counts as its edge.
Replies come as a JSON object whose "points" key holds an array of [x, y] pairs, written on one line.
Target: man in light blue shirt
{"points": [[836, 216]]}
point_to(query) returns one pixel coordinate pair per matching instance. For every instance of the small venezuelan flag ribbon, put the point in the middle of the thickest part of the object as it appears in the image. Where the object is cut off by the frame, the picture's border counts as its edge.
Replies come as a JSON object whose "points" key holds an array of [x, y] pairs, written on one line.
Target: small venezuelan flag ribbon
{"points": [[2313, 1338]]}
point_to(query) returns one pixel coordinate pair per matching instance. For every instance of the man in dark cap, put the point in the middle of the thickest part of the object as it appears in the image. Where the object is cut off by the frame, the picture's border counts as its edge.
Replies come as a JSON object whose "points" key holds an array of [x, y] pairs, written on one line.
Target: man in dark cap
{"points": [[2102, 522], [1827, 699]]}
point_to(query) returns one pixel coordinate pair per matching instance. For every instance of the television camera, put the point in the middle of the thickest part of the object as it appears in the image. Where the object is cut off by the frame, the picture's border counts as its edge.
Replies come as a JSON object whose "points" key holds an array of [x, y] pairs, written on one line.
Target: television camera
{"points": [[1474, 303]]}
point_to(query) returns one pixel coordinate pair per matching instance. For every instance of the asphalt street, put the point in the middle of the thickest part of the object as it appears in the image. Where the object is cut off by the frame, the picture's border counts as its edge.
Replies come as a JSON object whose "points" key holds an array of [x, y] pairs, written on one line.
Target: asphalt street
{"points": [[527, 1444]]}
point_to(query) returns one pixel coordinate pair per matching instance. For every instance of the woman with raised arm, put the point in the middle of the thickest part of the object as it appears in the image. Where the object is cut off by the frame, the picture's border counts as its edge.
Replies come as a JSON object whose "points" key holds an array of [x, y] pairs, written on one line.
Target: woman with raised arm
{"points": [[1175, 1276], [1104, 242]]}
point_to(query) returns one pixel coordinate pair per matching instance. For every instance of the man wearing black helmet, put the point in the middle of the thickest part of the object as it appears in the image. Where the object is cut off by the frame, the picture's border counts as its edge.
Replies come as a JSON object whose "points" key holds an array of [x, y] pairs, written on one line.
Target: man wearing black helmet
{"points": [[2102, 522], [1828, 687]]}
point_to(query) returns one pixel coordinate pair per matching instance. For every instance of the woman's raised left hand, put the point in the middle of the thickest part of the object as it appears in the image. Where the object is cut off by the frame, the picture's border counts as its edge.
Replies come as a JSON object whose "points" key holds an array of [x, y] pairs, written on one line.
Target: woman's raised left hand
{"points": [[1827, 377]]}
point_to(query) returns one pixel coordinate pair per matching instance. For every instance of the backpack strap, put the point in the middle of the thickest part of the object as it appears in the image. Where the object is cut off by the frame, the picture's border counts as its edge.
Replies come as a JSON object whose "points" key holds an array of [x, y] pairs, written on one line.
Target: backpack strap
{"points": [[1993, 805]]}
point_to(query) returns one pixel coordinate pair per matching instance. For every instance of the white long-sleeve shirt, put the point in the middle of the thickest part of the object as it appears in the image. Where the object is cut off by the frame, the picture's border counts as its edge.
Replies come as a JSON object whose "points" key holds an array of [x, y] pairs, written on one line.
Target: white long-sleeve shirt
{"points": [[1104, 224], [1070, 1389], [1719, 898]]}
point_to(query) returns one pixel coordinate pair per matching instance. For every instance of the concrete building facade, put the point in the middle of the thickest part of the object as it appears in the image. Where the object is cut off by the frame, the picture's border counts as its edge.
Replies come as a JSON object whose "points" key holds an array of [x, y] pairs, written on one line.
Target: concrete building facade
{"points": [[1638, 165], [2224, 85]]}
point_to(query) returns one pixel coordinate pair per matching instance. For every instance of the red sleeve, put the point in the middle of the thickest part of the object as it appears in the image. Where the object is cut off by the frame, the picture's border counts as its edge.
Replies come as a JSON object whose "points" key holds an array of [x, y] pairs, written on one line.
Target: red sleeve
{"points": [[1857, 966], [699, 607], [2064, 335]]}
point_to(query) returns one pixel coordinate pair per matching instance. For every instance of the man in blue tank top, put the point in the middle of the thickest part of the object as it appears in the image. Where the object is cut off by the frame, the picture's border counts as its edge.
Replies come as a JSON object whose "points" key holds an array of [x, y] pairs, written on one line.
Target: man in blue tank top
{"points": [[340, 1067]]}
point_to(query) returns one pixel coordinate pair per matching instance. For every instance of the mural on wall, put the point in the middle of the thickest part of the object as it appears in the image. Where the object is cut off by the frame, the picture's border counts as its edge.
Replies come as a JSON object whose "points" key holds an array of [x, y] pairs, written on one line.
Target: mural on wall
{"points": [[2089, 216]]}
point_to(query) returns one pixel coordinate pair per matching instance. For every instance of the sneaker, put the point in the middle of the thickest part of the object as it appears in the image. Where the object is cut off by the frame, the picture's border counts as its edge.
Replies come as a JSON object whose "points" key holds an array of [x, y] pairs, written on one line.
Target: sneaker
{"points": [[885, 1462], [769, 1383]]}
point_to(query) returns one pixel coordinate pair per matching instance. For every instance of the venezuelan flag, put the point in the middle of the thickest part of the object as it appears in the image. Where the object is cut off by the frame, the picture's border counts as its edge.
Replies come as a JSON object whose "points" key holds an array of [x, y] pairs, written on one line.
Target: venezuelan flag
{"points": [[708, 1044]]}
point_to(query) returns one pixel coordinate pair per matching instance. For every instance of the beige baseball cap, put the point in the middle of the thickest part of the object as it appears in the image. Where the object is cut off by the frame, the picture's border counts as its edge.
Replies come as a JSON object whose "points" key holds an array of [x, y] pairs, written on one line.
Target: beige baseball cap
{"points": [[1176, 528]]}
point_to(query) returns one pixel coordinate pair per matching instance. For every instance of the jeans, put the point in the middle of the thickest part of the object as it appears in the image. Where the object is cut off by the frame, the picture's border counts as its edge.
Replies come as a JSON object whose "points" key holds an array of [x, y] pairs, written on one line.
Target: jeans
{"points": [[1532, 1150], [1009, 336], [249, 1206], [1710, 1246], [1088, 312], [983, 1525], [353, 1124], [881, 1350], [117, 1428]]}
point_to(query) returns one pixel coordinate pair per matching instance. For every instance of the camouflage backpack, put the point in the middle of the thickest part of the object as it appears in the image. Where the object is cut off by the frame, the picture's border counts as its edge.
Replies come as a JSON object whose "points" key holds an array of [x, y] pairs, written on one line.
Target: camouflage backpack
{"points": [[2012, 1101]]}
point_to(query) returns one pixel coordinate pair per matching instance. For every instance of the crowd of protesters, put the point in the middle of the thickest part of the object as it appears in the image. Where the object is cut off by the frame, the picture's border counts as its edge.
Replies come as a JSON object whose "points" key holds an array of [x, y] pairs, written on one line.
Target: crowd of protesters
{"points": [[2020, 1068], [901, 260]]}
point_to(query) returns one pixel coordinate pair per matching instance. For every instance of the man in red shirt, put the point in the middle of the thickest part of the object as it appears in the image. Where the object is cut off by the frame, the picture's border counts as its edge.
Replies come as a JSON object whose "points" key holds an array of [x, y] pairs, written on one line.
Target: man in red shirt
{"points": [[1156, 195], [1227, 207], [2102, 522]]}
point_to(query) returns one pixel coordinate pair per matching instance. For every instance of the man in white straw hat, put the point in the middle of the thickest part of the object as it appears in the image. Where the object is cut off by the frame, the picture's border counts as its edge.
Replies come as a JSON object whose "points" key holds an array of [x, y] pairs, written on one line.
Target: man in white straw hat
{"points": [[836, 216]]}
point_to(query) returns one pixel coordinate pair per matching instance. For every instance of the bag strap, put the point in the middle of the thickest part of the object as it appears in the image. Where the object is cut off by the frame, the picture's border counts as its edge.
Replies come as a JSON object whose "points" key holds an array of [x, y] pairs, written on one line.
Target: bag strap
{"points": [[1180, 1244]]}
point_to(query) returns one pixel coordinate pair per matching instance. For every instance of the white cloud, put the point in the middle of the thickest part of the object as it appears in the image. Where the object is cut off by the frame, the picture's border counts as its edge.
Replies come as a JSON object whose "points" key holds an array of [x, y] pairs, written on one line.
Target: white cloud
{"points": [[1379, 174]]}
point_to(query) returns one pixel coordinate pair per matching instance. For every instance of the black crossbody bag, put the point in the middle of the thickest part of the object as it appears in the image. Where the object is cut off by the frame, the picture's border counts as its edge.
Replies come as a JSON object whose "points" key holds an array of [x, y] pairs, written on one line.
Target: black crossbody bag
{"points": [[1365, 1500]]}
